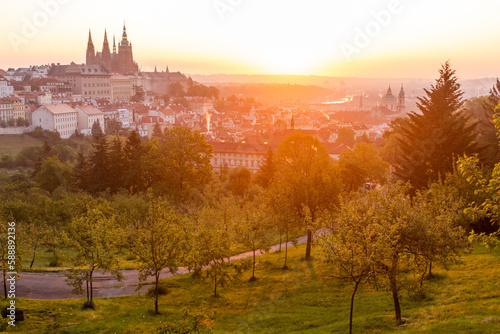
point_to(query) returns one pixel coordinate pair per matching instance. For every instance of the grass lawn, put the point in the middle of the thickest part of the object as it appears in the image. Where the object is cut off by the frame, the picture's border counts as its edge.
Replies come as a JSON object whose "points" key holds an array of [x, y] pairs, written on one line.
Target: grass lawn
{"points": [[303, 299], [13, 144]]}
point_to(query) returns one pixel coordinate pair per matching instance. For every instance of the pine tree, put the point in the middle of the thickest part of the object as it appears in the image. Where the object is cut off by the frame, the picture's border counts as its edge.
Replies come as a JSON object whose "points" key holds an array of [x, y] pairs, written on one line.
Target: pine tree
{"points": [[133, 152], [97, 130], [99, 165], [81, 172], [431, 141], [116, 165], [266, 172], [157, 132]]}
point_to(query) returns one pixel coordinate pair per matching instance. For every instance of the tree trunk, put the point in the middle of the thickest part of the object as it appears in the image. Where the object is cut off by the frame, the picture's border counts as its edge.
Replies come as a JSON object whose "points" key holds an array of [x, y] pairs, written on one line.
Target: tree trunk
{"points": [[394, 287], [91, 286], [215, 283], [286, 250], [430, 269], [397, 306], [308, 245], [33, 259], [352, 305], [156, 292], [253, 269], [280, 244], [87, 290]]}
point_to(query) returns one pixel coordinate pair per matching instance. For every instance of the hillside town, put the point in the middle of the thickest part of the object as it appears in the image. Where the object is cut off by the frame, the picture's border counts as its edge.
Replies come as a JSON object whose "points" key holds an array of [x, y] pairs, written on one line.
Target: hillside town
{"points": [[109, 89]]}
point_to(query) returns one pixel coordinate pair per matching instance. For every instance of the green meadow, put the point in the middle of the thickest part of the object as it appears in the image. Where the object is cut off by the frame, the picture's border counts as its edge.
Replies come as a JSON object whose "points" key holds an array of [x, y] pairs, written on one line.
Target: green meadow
{"points": [[302, 299]]}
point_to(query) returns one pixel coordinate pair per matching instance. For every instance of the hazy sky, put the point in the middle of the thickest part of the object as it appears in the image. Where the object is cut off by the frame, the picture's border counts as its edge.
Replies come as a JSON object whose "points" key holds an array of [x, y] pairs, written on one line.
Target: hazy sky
{"points": [[362, 38]]}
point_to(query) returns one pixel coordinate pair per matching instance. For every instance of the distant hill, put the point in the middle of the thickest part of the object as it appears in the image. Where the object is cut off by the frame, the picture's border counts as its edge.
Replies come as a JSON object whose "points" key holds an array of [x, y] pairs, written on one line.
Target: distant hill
{"points": [[278, 93], [349, 85]]}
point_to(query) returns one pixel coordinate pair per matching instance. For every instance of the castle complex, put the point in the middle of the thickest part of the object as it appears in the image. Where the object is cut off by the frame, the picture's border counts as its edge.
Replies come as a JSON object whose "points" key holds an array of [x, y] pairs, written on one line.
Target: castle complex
{"points": [[121, 61]]}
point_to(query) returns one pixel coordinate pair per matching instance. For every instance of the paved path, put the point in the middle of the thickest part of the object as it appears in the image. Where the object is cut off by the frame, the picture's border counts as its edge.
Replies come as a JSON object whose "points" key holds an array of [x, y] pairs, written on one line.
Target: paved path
{"points": [[52, 285]]}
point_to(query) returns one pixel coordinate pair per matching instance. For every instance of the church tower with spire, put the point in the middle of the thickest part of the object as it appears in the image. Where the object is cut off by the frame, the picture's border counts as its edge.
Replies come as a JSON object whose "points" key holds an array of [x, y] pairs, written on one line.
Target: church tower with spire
{"points": [[90, 58], [120, 61], [401, 101], [125, 56]]}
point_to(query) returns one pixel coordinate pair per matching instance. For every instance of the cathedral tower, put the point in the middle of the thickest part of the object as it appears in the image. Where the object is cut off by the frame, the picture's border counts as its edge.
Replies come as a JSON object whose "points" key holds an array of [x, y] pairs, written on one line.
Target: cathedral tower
{"points": [[106, 53], [90, 58]]}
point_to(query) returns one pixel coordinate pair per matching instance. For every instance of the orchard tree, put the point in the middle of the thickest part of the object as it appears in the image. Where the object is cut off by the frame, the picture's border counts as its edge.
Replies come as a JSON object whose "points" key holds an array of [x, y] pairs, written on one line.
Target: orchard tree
{"points": [[361, 164], [253, 229], [306, 176], [282, 215], [158, 241], [213, 238], [93, 237], [432, 140], [385, 234]]}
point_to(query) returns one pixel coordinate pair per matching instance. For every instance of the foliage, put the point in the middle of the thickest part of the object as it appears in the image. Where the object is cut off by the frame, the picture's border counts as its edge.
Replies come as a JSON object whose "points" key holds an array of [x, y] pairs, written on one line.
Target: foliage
{"points": [[186, 158], [385, 234], [431, 141], [266, 172], [253, 228], [239, 181], [158, 241], [53, 174], [138, 94], [346, 136], [306, 178], [93, 238], [361, 164], [212, 241]]}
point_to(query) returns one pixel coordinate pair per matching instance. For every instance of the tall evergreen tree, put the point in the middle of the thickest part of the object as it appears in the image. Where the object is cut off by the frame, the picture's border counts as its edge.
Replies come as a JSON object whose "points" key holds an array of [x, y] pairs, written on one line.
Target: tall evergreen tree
{"points": [[116, 165], [133, 152], [266, 172], [96, 130], [431, 140], [157, 132], [81, 172], [99, 165]]}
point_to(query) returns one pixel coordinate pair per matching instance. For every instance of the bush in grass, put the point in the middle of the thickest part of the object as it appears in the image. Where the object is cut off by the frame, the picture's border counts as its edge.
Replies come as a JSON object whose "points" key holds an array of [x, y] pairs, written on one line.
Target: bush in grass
{"points": [[162, 290], [55, 262]]}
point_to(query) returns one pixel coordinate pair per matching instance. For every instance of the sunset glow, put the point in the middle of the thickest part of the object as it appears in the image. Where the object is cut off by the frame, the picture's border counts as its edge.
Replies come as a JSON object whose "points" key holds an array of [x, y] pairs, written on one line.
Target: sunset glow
{"points": [[362, 38]]}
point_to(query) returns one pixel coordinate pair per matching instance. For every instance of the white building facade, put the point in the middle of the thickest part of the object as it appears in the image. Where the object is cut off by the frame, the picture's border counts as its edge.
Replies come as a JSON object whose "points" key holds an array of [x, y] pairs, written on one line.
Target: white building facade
{"points": [[56, 117], [87, 116]]}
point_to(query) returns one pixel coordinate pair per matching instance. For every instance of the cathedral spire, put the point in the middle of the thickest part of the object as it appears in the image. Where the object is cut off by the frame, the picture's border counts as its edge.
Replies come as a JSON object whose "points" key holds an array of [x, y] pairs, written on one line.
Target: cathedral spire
{"points": [[114, 44], [90, 57], [124, 35], [106, 53]]}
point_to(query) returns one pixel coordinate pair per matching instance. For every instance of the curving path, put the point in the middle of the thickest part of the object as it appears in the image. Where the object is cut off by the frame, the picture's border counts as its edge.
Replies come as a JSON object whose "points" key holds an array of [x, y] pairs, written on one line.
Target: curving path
{"points": [[50, 285]]}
